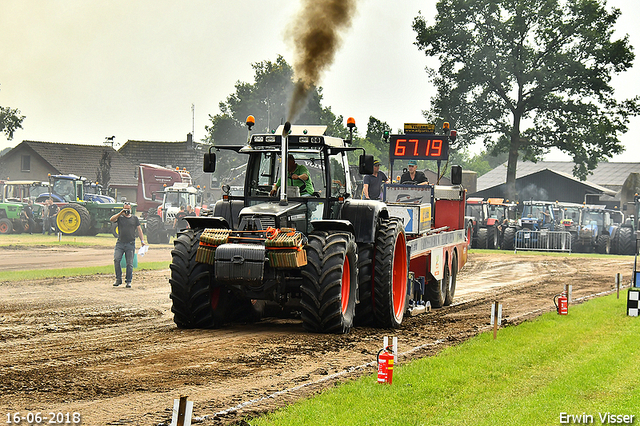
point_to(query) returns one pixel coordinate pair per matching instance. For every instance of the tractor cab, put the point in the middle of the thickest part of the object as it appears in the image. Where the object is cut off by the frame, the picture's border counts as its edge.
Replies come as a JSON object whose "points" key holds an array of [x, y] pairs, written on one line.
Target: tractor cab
{"points": [[274, 195], [537, 215]]}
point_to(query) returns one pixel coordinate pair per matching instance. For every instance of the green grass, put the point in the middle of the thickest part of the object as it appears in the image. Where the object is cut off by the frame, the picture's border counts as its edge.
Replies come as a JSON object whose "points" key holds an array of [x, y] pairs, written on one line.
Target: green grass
{"points": [[27, 240], [22, 240], [586, 362], [37, 274]]}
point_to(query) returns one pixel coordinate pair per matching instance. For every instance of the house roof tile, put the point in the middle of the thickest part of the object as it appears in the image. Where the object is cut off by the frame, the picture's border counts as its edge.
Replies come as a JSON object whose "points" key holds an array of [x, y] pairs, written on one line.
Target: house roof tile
{"points": [[84, 160]]}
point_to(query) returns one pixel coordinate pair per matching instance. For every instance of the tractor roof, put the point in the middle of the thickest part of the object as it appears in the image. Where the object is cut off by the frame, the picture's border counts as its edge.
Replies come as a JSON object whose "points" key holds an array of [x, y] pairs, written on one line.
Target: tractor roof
{"points": [[300, 136], [303, 129]]}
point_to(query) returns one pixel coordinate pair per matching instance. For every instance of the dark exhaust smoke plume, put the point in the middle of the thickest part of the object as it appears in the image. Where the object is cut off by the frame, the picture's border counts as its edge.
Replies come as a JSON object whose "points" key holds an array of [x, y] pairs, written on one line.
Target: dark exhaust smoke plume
{"points": [[316, 37]]}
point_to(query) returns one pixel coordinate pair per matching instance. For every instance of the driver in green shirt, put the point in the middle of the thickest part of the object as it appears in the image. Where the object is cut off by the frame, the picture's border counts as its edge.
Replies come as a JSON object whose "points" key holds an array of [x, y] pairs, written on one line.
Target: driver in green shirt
{"points": [[298, 176]]}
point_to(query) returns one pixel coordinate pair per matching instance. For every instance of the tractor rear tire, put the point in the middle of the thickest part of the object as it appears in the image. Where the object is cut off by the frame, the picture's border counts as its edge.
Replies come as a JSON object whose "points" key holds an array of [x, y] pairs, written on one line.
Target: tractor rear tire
{"points": [[483, 238], [626, 241], [509, 238], [329, 283], [391, 270], [20, 226], [364, 309], [493, 238], [603, 244], [194, 303], [155, 228], [92, 232], [6, 227], [73, 219], [114, 229]]}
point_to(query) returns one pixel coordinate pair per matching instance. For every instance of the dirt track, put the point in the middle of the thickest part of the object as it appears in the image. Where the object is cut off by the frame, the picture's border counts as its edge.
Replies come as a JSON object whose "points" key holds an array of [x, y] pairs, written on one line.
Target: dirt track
{"points": [[115, 356]]}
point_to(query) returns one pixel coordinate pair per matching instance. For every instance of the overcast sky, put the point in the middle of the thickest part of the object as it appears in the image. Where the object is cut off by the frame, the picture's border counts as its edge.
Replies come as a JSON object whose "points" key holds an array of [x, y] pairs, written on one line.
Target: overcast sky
{"points": [[82, 70]]}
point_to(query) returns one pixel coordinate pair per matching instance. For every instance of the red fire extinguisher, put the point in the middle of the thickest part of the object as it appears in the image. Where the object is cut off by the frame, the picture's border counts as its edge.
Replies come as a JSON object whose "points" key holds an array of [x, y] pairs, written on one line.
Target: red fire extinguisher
{"points": [[562, 303], [385, 365]]}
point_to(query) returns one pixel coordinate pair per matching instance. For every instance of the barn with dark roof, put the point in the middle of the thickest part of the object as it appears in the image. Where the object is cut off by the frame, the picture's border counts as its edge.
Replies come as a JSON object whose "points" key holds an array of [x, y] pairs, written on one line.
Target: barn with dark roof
{"points": [[554, 181], [33, 160]]}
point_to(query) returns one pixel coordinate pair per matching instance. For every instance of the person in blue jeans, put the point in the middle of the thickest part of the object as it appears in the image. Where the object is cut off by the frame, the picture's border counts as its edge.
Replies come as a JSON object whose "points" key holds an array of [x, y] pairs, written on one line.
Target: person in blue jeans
{"points": [[128, 226]]}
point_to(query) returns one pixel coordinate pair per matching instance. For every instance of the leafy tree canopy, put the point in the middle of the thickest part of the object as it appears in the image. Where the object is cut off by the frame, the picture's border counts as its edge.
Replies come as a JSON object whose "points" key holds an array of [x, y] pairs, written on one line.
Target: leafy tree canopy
{"points": [[267, 99], [528, 75], [10, 121]]}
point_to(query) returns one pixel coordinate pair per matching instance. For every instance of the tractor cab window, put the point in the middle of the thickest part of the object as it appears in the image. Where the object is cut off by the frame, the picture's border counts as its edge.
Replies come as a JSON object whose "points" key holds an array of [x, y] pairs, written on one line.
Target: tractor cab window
{"points": [[572, 214], [592, 217], [266, 170], [263, 174], [496, 212], [473, 210], [338, 176], [179, 199], [65, 189]]}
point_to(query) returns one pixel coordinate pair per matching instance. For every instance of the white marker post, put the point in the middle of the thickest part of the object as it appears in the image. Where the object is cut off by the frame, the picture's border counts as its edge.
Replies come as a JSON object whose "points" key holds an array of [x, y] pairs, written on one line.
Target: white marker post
{"points": [[618, 280], [568, 288], [385, 343], [182, 411], [496, 317]]}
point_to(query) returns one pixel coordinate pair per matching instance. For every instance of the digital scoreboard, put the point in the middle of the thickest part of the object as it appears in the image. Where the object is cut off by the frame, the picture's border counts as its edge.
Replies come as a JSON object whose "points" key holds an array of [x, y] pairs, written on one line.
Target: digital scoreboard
{"points": [[418, 146]]}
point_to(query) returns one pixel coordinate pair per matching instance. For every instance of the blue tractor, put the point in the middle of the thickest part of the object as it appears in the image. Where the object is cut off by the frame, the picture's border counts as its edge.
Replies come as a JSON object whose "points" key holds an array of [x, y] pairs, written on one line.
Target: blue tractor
{"points": [[539, 217]]}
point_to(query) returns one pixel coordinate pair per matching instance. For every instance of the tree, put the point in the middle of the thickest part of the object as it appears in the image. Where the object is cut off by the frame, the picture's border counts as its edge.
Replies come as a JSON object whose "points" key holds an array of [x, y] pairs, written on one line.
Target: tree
{"points": [[10, 121], [529, 75], [104, 169], [267, 99]]}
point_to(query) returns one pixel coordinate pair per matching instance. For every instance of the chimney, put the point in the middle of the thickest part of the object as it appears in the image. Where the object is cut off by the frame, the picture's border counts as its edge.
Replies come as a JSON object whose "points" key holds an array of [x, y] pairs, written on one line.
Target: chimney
{"points": [[189, 144]]}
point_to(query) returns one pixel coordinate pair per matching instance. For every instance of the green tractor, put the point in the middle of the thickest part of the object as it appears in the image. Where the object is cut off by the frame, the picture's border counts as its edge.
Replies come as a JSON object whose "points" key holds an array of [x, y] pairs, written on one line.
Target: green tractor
{"points": [[12, 219], [81, 212]]}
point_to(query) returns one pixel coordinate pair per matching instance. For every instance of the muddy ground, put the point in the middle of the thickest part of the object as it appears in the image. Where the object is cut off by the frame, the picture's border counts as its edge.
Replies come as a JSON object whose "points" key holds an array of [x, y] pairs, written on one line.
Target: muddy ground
{"points": [[115, 356]]}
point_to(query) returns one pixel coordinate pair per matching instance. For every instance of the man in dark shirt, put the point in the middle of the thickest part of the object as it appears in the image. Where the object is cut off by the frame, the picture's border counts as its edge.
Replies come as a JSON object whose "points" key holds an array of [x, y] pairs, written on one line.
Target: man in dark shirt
{"points": [[179, 222], [414, 175], [128, 226], [50, 212], [371, 183], [28, 211]]}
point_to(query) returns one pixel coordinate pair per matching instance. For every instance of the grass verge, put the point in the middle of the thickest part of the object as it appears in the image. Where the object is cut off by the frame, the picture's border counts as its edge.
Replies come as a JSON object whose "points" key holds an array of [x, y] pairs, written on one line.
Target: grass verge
{"points": [[581, 364], [29, 240], [36, 274]]}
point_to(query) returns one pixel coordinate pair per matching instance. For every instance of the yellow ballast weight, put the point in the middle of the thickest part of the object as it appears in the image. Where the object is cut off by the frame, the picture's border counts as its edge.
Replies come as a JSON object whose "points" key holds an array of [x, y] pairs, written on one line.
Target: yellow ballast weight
{"points": [[209, 240], [284, 248]]}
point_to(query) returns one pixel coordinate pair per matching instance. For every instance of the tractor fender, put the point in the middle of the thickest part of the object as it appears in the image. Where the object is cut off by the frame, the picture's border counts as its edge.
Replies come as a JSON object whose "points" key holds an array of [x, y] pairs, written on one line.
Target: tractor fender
{"points": [[364, 215], [229, 210], [201, 222], [333, 225]]}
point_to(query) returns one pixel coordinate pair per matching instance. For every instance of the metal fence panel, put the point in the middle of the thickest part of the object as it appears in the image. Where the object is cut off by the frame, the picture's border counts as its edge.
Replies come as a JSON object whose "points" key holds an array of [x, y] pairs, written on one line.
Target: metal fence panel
{"points": [[543, 240]]}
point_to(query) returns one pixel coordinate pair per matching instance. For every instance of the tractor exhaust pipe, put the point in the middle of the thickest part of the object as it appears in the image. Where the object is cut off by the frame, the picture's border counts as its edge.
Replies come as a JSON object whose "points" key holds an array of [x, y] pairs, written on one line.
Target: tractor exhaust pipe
{"points": [[285, 163]]}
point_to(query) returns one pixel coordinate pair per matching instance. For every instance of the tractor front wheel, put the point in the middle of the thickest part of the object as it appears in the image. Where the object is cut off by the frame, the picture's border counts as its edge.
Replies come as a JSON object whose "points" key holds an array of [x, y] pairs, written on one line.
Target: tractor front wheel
{"points": [[194, 303], [6, 227], [329, 283]]}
